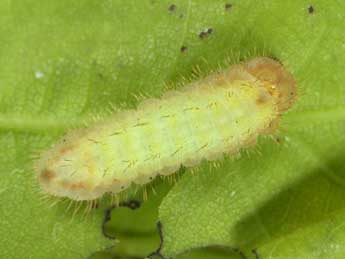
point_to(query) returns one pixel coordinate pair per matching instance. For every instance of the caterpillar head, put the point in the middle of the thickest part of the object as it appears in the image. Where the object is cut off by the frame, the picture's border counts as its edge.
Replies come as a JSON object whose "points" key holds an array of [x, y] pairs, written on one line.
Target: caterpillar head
{"points": [[280, 82]]}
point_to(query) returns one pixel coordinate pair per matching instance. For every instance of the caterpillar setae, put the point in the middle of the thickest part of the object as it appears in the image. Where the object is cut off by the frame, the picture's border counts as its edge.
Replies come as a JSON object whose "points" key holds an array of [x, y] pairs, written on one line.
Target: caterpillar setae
{"points": [[222, 113]]}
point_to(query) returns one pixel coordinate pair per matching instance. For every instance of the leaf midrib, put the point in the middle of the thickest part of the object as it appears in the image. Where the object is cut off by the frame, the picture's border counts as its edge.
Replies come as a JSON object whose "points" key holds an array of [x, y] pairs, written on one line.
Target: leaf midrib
{"points": [[24, 123]]}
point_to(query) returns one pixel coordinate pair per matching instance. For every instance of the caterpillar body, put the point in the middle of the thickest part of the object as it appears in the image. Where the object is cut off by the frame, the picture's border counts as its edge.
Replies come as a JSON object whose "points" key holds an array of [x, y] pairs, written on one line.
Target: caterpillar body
{"points": [[221, 113]]}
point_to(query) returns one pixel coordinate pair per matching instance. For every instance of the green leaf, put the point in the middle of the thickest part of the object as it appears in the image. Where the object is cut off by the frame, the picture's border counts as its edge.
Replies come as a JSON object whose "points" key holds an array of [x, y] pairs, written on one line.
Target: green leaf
{"points": [[61, 62]]}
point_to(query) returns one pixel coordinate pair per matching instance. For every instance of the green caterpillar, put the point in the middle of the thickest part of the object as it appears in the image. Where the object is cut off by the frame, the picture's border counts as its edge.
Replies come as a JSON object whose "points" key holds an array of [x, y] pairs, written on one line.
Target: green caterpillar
{"points": [[221, 113]]}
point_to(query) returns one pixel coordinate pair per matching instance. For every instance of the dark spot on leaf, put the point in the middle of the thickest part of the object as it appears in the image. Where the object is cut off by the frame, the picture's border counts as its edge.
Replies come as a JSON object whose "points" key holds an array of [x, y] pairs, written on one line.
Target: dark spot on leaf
{"points": [[181, 16], [228, 7], [311, 9], [204, 34], [184, 49], [172, 8]]}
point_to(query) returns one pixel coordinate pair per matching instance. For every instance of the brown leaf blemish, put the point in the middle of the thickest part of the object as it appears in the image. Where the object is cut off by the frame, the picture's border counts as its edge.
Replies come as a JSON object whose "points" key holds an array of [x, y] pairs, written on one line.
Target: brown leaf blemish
{"points": [[184, 49], [228, 7], [172, 8], [204, 34], [311, 9]]}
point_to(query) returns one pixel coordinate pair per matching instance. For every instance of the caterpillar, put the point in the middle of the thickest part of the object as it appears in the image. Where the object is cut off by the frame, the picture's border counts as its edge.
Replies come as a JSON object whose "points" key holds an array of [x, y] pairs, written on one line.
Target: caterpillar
{"points": [[221, 113]]}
